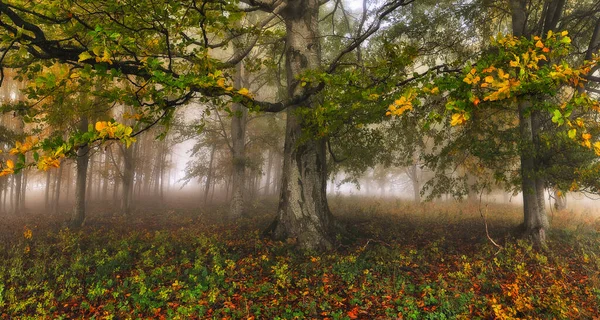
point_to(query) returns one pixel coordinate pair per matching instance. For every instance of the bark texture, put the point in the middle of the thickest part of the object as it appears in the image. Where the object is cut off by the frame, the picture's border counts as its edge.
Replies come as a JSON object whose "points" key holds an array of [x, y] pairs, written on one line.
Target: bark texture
{"points": [[80, 181], [238, 146], [303, 212]]}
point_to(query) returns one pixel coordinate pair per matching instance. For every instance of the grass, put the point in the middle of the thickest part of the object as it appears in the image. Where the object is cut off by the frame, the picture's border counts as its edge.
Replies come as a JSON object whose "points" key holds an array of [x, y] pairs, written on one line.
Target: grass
{"points": [[409, 262]]}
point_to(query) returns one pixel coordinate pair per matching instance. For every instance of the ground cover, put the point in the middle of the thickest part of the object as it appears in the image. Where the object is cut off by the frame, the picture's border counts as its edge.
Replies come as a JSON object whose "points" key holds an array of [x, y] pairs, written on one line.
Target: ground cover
{"points": [[398, 260]]}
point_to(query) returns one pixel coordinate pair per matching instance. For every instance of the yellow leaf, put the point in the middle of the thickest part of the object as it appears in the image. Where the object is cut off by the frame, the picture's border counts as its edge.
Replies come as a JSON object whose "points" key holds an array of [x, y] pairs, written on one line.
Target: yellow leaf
{"points": [[435, 90], [100, 125], [84, 56], [597, 148], [514, 63], [221, 82], [244, 92], [549, 34], [457, 119], [586, 136], [539, 44], [489, 79], [10, 164], [564, 33]]}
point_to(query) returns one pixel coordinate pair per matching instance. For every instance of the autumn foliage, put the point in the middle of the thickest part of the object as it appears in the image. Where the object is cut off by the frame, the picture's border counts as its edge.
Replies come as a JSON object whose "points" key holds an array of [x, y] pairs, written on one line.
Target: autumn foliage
{"points": [[430, 262]]}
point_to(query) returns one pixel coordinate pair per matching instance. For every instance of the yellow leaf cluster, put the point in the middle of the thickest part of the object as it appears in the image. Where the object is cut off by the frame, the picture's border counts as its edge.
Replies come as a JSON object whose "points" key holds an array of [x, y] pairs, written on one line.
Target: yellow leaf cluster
{"points": [[597, 148], [48, 162], [245, 92], [23, 147], [221, 83], [586, 140], [27, 233], [9, 169], [106, 129], [471, 78], [401, 105], [458, 119]]}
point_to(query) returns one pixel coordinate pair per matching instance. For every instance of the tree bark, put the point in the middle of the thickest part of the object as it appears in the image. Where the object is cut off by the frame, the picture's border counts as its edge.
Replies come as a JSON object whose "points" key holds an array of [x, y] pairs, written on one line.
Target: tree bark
{"points": [[413, 175], [209, 175], [128, 172], [303, 211], [560, 200], [267, 190], [535, 218], [47, 192], [56, 202], [80, 181], [17, 195], [238, 146]]}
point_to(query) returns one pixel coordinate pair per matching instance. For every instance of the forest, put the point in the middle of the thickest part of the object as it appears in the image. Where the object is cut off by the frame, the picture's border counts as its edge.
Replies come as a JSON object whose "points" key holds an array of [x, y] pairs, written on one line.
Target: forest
{"points": [[299, 159]]}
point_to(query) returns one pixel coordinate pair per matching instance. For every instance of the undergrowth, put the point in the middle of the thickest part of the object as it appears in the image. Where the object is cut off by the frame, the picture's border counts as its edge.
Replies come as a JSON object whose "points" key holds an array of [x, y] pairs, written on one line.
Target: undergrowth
{"points": [[410, 262]]}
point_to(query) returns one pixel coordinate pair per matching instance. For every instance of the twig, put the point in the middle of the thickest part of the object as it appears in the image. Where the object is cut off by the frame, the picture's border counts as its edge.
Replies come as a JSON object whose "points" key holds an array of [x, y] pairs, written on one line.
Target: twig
{"points": [[483, 215]]}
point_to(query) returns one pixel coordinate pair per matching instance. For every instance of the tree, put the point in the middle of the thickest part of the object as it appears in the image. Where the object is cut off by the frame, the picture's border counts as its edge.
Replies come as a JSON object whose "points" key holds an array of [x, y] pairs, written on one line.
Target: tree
{"points": [[515, 81], [166, 56]]}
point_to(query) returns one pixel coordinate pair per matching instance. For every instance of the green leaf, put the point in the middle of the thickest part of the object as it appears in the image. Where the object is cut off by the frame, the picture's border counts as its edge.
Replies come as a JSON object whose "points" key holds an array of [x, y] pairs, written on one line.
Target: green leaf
{"points": [[572, 133]]}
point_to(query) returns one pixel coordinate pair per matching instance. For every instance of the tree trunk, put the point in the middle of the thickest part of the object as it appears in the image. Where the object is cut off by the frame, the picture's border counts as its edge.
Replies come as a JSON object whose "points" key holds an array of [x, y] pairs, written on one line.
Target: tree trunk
{"points": [[56, 202], [17, 193], [303, 211], [23, 189], [560, 200], [416, 183], [535, 218], [127, 182], [209, 175], [80, 182], [269, 169], [47, 192], [106, 179], [238, 146]]}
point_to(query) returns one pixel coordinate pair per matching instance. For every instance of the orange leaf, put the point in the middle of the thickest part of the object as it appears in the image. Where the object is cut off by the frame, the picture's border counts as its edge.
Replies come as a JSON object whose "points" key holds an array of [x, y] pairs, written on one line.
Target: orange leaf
{"points": [[353, 314]]}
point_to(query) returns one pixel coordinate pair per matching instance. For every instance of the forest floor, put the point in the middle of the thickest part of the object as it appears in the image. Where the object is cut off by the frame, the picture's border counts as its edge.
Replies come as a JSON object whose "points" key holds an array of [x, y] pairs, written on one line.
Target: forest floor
{"points": [[432, 261]]}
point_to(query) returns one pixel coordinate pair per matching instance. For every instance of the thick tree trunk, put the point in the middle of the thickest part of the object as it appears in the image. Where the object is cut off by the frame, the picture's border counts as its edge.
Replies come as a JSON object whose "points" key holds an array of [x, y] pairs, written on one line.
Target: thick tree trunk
{"points": [[303, 212], [81, 179], [535, 218], [238, 146]]}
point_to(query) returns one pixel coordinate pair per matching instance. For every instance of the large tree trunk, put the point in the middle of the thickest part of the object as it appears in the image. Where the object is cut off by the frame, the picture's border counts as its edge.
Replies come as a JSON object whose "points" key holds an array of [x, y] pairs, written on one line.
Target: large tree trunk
{"points": [[303, 212], [80, 181], [535, 217], [238, 145]]}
